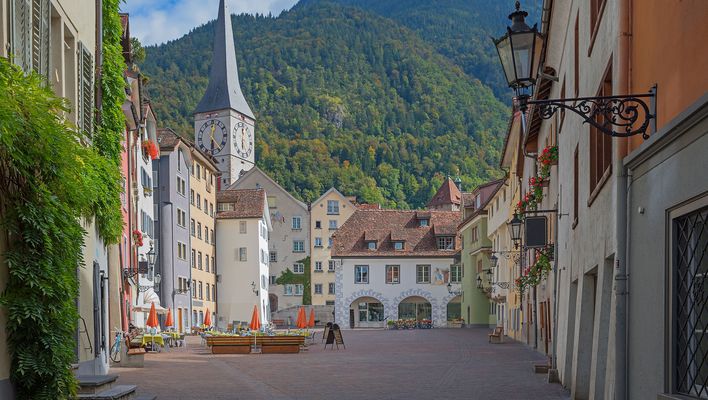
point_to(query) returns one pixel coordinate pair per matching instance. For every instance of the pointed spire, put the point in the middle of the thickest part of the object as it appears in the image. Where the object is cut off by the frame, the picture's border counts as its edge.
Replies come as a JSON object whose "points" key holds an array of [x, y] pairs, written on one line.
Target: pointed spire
{"points": [[224, 90]]}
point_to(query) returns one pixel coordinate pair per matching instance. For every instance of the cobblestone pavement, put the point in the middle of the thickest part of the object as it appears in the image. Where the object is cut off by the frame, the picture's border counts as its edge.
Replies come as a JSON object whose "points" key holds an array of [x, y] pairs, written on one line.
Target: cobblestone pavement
{"points": [[416, 364]]}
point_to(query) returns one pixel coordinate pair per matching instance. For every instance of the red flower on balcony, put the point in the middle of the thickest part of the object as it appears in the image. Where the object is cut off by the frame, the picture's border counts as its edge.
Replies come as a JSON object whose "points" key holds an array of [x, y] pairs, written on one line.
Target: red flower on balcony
{"points": [[138, 237], [151, 149]]}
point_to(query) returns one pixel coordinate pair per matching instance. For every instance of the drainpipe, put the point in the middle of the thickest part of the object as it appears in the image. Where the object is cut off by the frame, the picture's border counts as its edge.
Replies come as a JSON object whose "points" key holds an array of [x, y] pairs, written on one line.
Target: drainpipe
{"points": [[621, 189]]}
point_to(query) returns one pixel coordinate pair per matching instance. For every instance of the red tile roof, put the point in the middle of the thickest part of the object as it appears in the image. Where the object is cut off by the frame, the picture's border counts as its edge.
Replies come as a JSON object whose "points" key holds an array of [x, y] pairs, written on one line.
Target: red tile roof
{"points": [[387, 226], [248, 203], [448, 193], [486, 191]]}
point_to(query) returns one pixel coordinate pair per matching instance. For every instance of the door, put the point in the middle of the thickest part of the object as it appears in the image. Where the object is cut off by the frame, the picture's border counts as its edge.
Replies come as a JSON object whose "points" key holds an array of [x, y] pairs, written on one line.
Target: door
{"points": [[179, 314], [351, 318]]}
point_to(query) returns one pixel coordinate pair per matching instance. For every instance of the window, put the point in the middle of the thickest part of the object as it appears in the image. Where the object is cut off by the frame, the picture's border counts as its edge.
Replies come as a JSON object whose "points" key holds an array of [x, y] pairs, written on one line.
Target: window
{"points": [[272, 202], [423, 222], [393, 274], [398, 246], [192, 228], [194, 289], [206, 234], [199, 171], [181, 218], [446, 243], [288, 290], [455, 273], [330, 288], [596, 7], [422, 274], [273, 256], [242, 227], [318, 266], [475, 234], [213, 265], [318, 242], [273, 278], [330, 241], [193, 167], [199, 201], [181, 251], [208, 295], [199, 230], [332, 224], [298, 246], [600, 144], [576, 175], [200, 266], [201, 290], [211, 209], [361, 274], [181, 186], [332, 207], [331, 265], [206, 206], [194, 258], [371, 245], [299, 288], [318, 224], [318, 288], [211, 233], [576, 57], [213, 295], [242, 254], [297, 223], [206, 262], [191, 196], [299, 268], [225, 207]]}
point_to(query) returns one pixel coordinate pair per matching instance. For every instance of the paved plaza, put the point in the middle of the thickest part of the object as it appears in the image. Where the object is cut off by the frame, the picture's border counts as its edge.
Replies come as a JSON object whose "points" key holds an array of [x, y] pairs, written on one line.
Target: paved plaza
{"points": [[415, 364]]}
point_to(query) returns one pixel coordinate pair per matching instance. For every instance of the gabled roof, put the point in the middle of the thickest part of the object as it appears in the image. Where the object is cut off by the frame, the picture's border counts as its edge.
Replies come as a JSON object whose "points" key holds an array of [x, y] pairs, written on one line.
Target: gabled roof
{"points": [[389, 226], [239, 184], [448, 193], [248, 203], [224, 90], [486, 192], [333, 190]]}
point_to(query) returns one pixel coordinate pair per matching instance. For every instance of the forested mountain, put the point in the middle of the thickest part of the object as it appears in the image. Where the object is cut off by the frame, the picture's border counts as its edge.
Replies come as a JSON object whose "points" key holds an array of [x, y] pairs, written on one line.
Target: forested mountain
{"points": [[344, 98]]}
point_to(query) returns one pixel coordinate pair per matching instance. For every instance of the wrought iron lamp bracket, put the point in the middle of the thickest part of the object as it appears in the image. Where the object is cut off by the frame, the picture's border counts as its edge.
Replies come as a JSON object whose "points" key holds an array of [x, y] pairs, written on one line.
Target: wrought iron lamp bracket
{"points": [[619, 114], [142, 288]]}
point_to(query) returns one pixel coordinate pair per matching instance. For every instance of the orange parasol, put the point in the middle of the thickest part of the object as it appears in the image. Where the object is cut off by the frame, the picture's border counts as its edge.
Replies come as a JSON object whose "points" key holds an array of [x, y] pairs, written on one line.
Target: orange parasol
{"points": [[255, 321], [301, 318], [152, 318], [207, 318], [169, 321], [311, 323]]}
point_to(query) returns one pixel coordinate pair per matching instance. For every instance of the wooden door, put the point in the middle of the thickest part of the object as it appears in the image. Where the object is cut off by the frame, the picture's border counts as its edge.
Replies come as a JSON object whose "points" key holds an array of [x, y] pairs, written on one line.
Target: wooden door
{"points": [[179, 313]]}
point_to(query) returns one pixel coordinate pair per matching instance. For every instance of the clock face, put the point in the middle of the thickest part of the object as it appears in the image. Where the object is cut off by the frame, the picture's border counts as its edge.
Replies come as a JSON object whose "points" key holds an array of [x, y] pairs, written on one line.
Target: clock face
{"points": [[243, 138], [212, 136]]}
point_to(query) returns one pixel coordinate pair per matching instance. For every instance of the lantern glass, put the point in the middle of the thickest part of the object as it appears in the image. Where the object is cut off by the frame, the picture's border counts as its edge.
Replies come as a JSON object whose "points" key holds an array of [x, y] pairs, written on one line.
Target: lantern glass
{"points": [[479, 282], [151, 256], [493, 260], [515, 228]]}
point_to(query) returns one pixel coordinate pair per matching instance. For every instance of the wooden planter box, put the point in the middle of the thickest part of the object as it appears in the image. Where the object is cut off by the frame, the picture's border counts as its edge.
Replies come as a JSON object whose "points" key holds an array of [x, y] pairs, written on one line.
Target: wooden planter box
{"points": [[451, 324]]}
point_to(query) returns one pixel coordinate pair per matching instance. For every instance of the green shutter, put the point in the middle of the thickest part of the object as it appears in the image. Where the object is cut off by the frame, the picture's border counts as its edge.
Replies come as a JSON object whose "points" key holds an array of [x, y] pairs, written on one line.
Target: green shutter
{"points": [[85, 104]]}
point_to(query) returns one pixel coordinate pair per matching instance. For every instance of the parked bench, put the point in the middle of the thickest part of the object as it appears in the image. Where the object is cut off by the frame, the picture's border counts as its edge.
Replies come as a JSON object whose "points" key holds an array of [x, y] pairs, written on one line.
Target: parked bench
{"points": [[497, 336], [229, 344], [281, 344]]}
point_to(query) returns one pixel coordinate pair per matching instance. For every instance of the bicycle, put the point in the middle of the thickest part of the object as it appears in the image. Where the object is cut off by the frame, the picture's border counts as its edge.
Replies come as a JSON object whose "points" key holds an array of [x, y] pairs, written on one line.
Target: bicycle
{"points": [[116, 349]]}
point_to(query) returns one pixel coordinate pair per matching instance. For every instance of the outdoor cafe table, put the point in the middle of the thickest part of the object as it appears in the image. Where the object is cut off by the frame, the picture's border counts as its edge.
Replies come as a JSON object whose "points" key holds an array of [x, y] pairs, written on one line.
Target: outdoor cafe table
{"points": [[152, 339], [172, 337]]}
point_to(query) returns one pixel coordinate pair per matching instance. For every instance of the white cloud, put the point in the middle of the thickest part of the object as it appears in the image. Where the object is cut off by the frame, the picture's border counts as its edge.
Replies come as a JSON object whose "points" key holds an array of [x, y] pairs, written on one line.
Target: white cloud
{"points": [[155, 22]]}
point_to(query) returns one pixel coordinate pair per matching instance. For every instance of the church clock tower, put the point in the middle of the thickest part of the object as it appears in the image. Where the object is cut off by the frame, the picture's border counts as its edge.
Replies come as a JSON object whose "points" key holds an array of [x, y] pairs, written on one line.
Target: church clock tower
{"points": [[223, 122]]}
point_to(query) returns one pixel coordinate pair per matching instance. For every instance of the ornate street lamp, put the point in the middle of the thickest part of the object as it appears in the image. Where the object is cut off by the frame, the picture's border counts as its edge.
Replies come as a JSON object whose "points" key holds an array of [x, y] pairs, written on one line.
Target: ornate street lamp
{"points": [[520, 51], [151, 256], [493, 260], [479, 282], [515, 230], [451, 291]]}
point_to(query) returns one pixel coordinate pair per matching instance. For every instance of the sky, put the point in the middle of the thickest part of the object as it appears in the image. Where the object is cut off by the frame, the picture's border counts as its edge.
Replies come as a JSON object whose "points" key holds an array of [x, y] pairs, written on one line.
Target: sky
{"points": [[158, 21]]}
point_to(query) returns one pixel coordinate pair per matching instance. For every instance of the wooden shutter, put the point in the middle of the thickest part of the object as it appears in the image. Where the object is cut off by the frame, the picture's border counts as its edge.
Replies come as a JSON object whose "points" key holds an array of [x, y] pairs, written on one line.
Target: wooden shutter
{"points": [[84, 106], [40, 37], [22, 33]]}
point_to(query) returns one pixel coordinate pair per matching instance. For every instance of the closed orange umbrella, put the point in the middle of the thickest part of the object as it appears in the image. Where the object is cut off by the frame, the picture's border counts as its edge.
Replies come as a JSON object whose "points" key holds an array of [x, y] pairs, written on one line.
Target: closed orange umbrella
{"points": [[207, 318], [301, 318], [255, 321], [311, 323], [152, 318], [169, 321]]}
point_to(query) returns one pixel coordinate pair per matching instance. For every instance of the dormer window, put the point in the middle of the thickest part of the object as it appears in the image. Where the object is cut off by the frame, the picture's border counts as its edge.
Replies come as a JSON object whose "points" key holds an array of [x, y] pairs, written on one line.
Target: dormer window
{"points": [[398, 245], [446, 242], [423, 222], [371, 245]]}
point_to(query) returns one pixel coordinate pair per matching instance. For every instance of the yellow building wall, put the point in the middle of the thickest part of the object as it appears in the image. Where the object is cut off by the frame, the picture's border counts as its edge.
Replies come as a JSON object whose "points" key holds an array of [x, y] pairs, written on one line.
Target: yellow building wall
{"points": [[322, 254], [203, 186]]}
